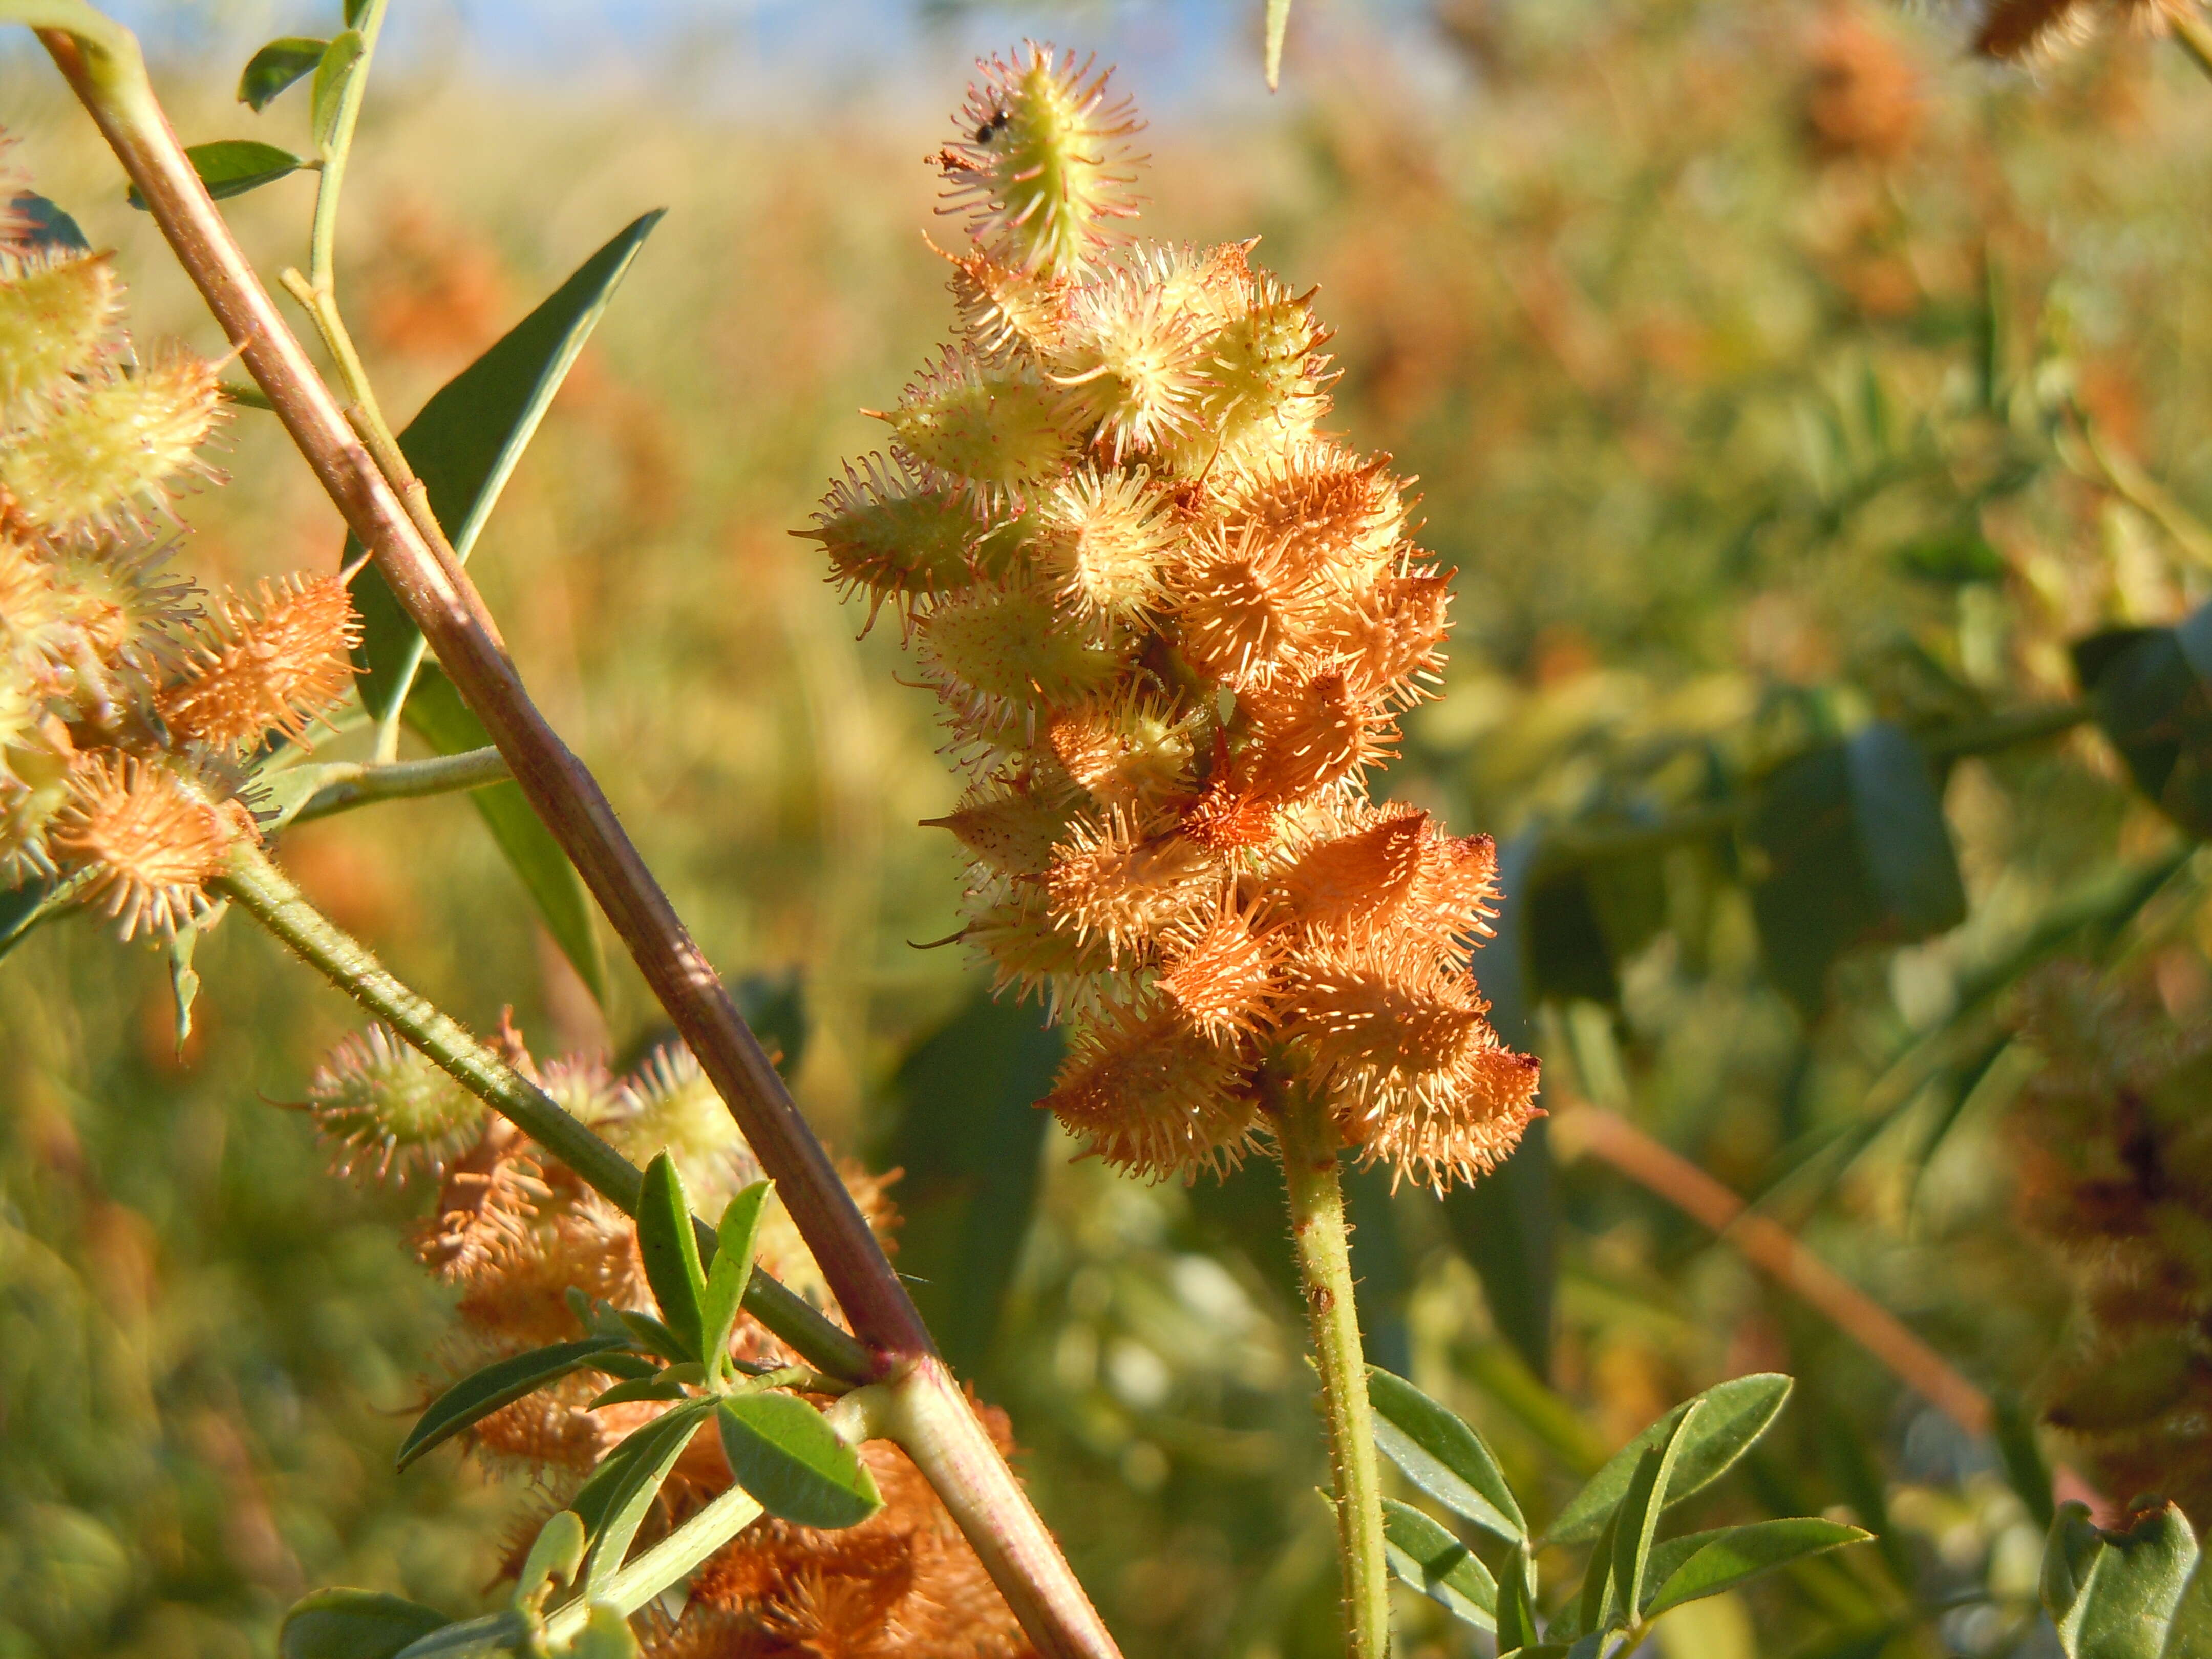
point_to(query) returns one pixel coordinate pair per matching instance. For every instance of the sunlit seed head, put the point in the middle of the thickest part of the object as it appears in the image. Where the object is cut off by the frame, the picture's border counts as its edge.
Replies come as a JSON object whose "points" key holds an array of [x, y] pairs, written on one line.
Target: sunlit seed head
{"points": [[1337, 885], [1219, 971], [997, 426], [1130, 750], [1112, 880], [35, 759], [36, 633], [1381, 1000], [1040, 162], [1010, 825], [1338, 518], [668, 1104], [1153, 1096], [1005, 311], [104, 452], [133, 615], [1390, 643], [273, 664], [1263, 369], [898, 535], [1002, 654], [1012, 930], [1246, 610], [1312, 735], [1107, 542], [486, 1203], [58, 315], [1454, 1122], [1130, 363], [386, 1109], [149, 841]]}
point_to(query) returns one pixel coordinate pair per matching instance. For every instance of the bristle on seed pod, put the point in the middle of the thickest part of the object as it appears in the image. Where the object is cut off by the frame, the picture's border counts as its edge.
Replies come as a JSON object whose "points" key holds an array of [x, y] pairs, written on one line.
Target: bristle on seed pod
{"points": [[272, 663], [147, 841]]}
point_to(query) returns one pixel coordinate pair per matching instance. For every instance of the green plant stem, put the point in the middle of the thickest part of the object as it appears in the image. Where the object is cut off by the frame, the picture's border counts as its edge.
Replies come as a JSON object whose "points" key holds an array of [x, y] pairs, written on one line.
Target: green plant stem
{"points": [[1321, 1242], [666, 1563], [364, 786], [263, 891]]}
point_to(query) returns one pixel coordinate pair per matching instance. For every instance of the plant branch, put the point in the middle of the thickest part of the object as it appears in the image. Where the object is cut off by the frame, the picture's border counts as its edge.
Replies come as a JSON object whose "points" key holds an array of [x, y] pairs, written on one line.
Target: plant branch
{"points": [[363, 785], [102, 65], [1777, 1252], [645, 1578], [263, 892], [1321, 1242]]}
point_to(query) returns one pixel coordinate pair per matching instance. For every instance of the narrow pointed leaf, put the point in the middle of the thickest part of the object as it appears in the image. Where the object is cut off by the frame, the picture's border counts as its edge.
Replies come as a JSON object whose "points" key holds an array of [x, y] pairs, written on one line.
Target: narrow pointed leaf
{"points": [[626, 1499], [1517, 1601], [1708, 1562], [480, 1394], [1595, 1607], [1442, 1455], [1424, 1555], [785, 1453], [341, 62], [231, 166], [276, 66], [351, 1623], [1641, 1507], [735, 1242], [465, 443], [653, 1335], [638, 1387], [437, 715], [1278, 21], [671, 1250], [1734, 1415]]}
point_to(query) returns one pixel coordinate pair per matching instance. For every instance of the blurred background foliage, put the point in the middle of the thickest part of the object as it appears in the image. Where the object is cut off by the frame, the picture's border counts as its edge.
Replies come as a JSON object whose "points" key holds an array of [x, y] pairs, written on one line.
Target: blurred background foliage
{"points": [[1795, 397]]}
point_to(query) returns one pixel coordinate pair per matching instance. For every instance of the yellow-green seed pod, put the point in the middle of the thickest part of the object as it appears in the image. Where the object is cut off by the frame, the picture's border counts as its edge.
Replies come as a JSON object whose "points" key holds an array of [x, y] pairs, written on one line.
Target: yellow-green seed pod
{"points": [[1263, 372], [99, 455], [1042, 160], [898, 536], [1132, 748], [1015, 933], [1010, 827], [35, 755], [667, 1105], [384, 1107], [997, 426], [1106, 542], [58, 314], [1130, 361], [997, 654]]}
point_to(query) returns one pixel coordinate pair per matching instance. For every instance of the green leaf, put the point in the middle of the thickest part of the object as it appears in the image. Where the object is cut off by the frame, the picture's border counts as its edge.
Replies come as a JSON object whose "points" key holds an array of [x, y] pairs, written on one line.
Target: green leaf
{"points": [[1641, 1506], [334, 74], [655, 1387], [1278, 21], [971, 1141], [1707, 1563], [1443, 1456], [736, 1241], [1517, 1601], [1732, 1416], [23, 908], [2151, 688], [464, 445], [785, 1453], [622, 1504], [1599, 1600], [2115, 1595], [503, 1383], [442, 720], [184, 982], [650, 1333], [276, 66], [231, 166], [671, 1250], [1423, 1554], [354, 11], [1855, 850], [352, 1624], [505, 1632], [1505, 1224], [555, 1556]]}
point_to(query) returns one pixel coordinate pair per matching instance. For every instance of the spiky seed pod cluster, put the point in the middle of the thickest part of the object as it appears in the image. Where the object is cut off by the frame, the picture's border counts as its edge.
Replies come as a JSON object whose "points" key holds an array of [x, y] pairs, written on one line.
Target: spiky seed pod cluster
{"points": [[124, 707], [515, 1232], [1172, 623], [2114, 1155], [2020, 31]]}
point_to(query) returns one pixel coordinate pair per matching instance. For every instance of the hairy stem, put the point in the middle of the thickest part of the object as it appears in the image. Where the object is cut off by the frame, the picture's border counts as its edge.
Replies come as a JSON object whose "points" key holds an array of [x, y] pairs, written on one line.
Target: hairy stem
{"points": [[345, 788], [103, 66], [932, 1420], [1322, 1244], [263, 892]]}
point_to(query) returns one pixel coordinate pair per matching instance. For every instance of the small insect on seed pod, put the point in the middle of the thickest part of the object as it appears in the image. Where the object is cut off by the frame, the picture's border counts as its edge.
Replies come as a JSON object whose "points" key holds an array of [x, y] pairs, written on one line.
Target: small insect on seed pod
{"points": [[1171, 626]]}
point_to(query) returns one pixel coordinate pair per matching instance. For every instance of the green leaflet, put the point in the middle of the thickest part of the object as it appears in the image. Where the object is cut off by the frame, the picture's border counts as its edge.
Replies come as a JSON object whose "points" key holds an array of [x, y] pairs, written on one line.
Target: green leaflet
{"points": [[231, 166], [1423, 1554], [671, 1250], [1442, 1455], [785, 1453], [1734, 1415], [351, 1623], [480, 1394]]}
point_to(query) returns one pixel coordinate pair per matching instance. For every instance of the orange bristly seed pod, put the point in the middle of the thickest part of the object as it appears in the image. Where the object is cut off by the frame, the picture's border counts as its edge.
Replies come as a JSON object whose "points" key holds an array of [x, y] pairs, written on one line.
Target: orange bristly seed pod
{"points": [[273, 664], [1110, 880], [149, 842], [100, 453], [1155, 1096], [1309, 734], [1170, 628], [1221, 976]]}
